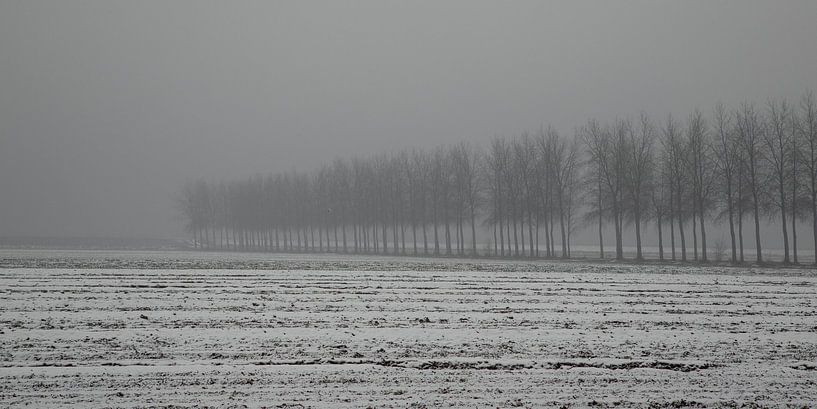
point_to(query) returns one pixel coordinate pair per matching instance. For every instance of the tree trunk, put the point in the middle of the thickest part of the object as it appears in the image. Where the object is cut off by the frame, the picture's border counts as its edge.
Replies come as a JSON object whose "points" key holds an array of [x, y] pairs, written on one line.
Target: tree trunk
{"points": [[474, 233], [638, 255], [425, 240], [794, 237], [694, 234], [375, 242], [740, 233], [530, 232], [343, 230], [436, 239], [354, 237], [601, 236], [731, 223], [447, 236], [562, 227], [786, 259], [757, 227], [617, 221], [515, 237], [601, 222], [683, 239], [502, 233], [509, 253], [814, 215], [496, 244], [703, 231], [403, 237], [384, 235], [395, 233], [537, 235], [460, 228], [672, 229], [414, 236], [660, 241], [320, 239], [550, 234]]}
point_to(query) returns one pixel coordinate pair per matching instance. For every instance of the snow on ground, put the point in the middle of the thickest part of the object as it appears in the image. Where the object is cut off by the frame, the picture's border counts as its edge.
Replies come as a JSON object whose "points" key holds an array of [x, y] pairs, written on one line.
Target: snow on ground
{"points": [[106, 329]]}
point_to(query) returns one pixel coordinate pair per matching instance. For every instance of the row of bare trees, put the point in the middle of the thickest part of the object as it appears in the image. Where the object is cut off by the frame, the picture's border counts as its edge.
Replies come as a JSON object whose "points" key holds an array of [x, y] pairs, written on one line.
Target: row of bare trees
{"points": [[526, 196], [410, 202]]}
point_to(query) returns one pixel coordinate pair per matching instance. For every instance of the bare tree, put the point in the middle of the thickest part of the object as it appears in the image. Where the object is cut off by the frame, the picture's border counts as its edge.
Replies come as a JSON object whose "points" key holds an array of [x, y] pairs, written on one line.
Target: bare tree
{"points": [[525, 156], [808, 136], [566, 160], [778, 154], [660, 200], [607, 154], [639, 168], [725, 148], [701, 172], [191, 209], [750, 128], [675, 152], [797, 201], [466, 160], [544, 188], [498, 159]]}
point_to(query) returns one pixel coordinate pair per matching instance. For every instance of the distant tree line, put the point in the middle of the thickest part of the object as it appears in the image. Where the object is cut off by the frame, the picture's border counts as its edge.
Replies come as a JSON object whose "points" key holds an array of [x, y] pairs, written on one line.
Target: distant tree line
{"points": [[530, 193]]}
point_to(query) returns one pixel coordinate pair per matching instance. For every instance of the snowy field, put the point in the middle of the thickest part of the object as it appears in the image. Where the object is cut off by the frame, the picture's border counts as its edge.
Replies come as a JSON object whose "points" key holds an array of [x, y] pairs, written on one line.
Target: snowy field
{"points": [[155, 329]]}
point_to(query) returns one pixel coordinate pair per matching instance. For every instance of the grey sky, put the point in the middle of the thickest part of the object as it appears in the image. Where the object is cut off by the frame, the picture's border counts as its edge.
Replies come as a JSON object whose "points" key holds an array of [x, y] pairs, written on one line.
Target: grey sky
{"points": [[107, 107]]}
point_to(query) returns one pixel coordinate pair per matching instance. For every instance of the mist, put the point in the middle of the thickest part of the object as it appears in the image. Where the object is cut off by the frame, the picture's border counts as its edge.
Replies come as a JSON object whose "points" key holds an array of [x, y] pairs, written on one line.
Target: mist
{"points": [[108, 108]]}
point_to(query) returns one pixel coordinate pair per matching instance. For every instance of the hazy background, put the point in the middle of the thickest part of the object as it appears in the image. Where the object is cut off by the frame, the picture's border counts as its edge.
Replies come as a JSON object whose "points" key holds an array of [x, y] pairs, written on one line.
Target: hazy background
{"points": [[107, 107]]}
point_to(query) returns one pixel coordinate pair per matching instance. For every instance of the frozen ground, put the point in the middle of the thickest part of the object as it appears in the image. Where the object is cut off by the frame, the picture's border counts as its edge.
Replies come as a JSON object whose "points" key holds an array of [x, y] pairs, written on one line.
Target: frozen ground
{"points": [[137, 329]]}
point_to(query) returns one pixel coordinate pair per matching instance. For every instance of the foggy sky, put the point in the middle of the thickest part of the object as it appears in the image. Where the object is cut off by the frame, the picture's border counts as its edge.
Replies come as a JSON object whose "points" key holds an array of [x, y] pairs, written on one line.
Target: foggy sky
{"points": [[107, 107]]}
